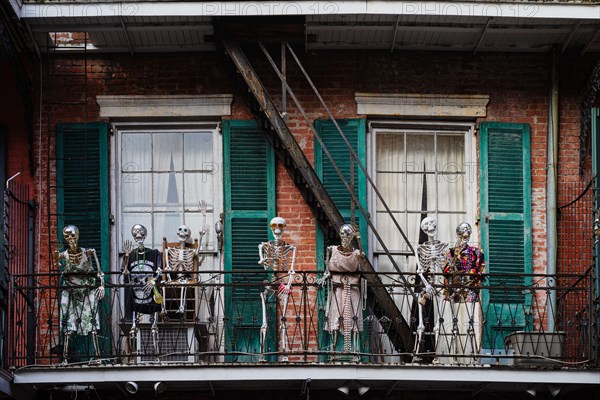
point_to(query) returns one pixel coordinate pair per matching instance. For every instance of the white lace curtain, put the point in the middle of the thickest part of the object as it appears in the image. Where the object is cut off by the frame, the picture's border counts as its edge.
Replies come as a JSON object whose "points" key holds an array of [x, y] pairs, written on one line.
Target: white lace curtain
{"points": [[419, 173]]}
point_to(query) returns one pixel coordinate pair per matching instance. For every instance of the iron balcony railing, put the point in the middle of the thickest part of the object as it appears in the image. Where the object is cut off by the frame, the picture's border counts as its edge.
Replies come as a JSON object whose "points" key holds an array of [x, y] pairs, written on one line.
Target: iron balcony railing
{"points": [[222, 317]]}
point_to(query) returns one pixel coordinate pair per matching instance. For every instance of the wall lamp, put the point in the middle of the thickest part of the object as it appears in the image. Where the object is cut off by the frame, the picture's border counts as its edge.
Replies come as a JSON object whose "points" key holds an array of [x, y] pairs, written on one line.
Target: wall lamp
{"points": [[160, 387], [131, 387], [360, 387]]}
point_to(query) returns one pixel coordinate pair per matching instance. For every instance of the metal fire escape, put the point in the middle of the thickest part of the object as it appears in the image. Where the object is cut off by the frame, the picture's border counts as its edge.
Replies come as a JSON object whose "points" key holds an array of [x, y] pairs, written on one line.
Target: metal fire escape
{"points": [[307, 181]]}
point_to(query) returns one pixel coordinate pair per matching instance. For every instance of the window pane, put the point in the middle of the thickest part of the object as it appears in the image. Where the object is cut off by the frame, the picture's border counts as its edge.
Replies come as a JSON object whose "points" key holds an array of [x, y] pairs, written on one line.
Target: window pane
{"points": [[451, 193], [198, 188], [168, 192], [196, 220], [198, 151], [165, 225], [136, 153], [392, 188], [420, 155], [168, 152], [450, 153], [390, 152], [136, 192]]}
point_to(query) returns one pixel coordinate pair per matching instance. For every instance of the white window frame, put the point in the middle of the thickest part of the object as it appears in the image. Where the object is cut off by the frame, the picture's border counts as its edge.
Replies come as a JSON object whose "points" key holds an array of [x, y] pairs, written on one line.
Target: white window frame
{"points": [[471, 174], [116, 176]]}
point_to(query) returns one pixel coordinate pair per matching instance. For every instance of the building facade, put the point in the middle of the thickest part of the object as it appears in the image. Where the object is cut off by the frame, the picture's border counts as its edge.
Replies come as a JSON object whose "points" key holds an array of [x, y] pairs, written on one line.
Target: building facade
{"points": [[222, 116]]}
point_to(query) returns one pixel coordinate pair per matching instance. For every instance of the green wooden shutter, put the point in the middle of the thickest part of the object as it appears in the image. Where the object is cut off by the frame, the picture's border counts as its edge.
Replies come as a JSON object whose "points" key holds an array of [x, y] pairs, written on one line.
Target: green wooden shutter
{"points": [[505, 189], [82, 199], [249, 206], [354, 130]]}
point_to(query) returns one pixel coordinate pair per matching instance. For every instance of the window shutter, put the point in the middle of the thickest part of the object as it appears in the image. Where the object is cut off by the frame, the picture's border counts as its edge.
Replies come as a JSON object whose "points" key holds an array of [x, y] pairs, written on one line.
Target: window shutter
{"points": [[505, 189], [354, 130], [82, 199], [249, 206]]}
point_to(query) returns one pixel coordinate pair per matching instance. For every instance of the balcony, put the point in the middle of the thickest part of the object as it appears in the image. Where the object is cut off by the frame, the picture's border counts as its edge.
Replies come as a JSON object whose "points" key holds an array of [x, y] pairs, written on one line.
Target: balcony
{"points": [[514, 327]]}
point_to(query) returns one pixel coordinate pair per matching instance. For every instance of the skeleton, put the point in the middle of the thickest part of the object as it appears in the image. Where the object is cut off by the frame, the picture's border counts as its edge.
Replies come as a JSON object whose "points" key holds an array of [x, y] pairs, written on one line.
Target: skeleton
{"points": [[142, 272], [280, 257], [430, 260], [182, 261], [346, 291], [78, 301]]}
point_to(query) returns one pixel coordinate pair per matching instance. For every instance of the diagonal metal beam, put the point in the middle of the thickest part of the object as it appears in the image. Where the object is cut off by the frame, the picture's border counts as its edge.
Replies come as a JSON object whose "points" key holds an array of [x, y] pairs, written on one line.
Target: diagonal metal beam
{"points": [[399, 331]]}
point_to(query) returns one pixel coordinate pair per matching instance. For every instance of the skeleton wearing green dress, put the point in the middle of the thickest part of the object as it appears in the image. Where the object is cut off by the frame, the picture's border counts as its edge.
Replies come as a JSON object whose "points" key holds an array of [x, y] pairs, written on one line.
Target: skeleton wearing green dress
{"points": [[80, 291]]}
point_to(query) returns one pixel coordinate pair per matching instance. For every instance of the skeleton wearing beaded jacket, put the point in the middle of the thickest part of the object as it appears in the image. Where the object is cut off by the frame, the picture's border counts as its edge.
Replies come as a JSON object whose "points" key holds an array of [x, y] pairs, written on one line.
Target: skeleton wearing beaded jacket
{"points": [[280, 257]]}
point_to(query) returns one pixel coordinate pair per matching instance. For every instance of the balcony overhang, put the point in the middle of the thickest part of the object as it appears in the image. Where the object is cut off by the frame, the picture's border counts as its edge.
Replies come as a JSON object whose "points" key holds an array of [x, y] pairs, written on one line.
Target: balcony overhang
{"points": [[81, 8], [323, 377]]}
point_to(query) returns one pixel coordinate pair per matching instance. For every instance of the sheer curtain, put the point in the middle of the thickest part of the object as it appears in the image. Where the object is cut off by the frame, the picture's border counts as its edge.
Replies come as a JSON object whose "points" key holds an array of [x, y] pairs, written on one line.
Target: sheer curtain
{"points": [[412, 166]]}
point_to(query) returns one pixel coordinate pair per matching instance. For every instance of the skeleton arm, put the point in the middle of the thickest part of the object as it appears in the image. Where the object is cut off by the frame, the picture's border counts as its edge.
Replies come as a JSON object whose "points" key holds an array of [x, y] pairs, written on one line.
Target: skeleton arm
{"points": [[201, 248], [127, 248], [100, 289], [287, 288], [429, 290], [261, 255], [326, 275]]}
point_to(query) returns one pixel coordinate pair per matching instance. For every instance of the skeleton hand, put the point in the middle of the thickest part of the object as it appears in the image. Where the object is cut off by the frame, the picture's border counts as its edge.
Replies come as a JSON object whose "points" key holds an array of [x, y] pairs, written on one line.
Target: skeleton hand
{"points": [[429, 290], [100, 292], [149, 285], [127, 248], [284, 290], [322, 280]]}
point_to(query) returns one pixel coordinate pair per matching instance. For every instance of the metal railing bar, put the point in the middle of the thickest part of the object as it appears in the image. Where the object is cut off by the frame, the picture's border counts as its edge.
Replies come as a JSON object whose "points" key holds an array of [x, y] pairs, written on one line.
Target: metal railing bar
{"points": [[348, 188]]}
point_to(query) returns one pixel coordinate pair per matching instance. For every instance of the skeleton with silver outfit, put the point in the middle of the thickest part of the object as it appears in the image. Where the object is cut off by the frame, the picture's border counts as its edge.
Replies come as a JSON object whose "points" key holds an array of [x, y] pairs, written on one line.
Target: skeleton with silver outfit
{"points": [[142, 270], [431, 257], [280, 257], [347, 291], [82, 289], [181, 263]]}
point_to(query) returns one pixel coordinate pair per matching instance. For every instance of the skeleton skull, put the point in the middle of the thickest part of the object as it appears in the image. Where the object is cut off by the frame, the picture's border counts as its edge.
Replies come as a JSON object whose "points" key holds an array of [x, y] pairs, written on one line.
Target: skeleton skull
{"points": [[184, 233], [139, 233], [429, 226], [463, 232], [346, 235], [71, 235], [277, 225]]}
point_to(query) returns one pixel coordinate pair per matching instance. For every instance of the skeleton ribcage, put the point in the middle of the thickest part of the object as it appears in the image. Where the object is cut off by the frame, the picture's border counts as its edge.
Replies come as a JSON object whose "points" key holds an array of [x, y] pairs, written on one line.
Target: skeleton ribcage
{"points": [[278, 256], [180, 260], [432, 256]]}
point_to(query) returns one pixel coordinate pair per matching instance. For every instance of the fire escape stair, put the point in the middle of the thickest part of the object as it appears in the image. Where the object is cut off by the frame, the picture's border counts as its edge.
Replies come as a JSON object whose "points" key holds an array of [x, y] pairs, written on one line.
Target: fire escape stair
{"points": [[312, 189]]}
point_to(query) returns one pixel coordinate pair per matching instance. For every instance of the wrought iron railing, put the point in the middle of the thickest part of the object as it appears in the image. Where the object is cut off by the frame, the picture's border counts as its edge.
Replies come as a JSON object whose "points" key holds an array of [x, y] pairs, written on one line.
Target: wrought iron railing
{"points": [[223, 315]]}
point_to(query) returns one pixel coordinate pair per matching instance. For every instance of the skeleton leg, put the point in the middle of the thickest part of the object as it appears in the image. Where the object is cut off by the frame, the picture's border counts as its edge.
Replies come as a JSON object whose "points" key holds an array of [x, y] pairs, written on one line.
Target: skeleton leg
{"points": [[420, 330], [263, 327], [355, 336], [154, 334], [284, 337], [96, 345], [182, 292], [66, 338], [133, 332], [454, 346]]}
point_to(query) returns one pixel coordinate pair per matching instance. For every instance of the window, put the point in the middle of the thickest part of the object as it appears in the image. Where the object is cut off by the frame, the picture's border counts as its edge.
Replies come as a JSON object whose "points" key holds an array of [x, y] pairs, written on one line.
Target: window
{"points": [[169, 177], [420, 170]]}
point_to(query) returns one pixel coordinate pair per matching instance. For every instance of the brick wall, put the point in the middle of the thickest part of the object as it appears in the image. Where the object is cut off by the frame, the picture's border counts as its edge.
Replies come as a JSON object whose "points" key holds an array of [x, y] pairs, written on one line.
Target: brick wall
{"points": [[516, 83]]}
